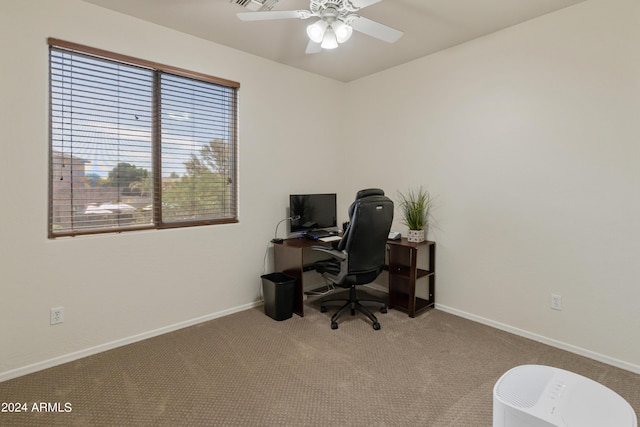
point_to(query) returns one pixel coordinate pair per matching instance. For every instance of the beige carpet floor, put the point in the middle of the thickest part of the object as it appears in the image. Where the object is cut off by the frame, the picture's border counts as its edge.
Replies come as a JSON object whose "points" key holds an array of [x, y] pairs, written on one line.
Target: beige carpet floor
{"points": [[247, 369]]}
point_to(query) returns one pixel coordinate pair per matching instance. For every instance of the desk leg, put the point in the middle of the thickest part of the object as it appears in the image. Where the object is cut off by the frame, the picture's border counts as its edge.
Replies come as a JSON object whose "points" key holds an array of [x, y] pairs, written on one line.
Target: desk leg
{"points": [[288, 260]]}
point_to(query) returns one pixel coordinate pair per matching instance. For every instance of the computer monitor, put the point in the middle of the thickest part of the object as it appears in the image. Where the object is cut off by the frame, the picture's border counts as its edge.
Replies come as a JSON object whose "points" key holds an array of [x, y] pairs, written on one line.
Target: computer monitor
{"points": [[316, 212]]}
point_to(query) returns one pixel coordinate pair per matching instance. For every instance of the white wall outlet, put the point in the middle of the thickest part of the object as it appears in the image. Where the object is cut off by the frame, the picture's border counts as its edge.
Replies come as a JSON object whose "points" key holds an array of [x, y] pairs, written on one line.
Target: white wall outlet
{"points": [[556, 302], [57, 315]]}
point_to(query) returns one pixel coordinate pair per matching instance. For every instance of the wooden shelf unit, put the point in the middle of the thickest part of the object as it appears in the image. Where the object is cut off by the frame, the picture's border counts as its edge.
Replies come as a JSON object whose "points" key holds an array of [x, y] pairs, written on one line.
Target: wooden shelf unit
{"points": [[405, 275]]}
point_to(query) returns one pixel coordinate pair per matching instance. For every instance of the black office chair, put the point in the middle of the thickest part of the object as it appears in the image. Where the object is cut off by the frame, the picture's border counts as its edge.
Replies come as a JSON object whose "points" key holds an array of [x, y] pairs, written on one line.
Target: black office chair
{"points": [[359, 257]]}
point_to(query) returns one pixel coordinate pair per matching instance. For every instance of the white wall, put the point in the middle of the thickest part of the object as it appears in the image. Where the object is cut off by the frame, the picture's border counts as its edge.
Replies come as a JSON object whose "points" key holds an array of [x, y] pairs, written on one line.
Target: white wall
{"points": [[529, 138], [118, 286]]}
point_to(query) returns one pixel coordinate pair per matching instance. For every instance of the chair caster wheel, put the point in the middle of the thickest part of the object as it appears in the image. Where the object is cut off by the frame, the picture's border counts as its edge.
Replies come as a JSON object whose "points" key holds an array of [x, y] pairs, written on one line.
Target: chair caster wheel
{"points": [[334, 325], [383, 310], [323, 309], [376, 326]]}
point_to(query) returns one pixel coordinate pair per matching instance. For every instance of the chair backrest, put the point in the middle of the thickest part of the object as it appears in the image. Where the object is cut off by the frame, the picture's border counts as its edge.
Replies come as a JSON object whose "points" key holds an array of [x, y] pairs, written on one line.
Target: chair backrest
{"points": [[365, 239]]}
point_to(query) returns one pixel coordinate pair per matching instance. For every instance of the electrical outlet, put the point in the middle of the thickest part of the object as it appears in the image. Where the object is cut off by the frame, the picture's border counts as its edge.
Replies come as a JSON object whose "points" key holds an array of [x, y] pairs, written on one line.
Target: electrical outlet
{"points": [[57, 315], [556, 302]]}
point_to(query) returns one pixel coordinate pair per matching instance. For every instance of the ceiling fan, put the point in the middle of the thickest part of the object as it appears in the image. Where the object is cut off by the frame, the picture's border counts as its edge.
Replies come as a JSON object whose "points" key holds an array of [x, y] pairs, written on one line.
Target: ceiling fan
{"points": [[337, 20]]}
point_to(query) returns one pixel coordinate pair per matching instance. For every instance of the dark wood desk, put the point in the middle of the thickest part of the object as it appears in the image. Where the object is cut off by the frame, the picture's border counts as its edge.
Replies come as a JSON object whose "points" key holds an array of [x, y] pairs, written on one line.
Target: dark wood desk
{"points": [[294, 257]]}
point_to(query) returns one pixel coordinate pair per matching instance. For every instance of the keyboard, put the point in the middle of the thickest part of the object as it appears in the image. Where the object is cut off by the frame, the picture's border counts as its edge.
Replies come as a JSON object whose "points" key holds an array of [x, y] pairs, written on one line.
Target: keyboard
{"points": [[330, 238], [316, 234]]}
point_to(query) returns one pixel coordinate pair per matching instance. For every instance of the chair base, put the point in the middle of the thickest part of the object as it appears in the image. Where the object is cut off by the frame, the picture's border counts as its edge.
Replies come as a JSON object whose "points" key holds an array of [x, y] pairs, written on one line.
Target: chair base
{"points": [[355, 304]]}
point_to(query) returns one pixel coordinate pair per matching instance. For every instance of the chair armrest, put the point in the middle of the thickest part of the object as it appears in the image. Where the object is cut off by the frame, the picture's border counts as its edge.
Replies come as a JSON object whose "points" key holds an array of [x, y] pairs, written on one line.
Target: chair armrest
{"points": [[339, 255]]}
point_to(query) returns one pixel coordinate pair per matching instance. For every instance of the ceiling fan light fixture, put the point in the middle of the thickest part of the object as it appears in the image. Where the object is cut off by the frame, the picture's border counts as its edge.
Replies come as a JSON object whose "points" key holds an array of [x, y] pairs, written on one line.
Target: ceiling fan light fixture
{"points": [[342, 30], [316, 30], [334, 23], [329, 41]]}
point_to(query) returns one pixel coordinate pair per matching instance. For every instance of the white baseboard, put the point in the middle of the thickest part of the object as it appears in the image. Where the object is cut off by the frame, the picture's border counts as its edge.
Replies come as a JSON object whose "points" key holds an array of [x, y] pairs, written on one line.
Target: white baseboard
{"points": [[35, 367], [542, 339]]}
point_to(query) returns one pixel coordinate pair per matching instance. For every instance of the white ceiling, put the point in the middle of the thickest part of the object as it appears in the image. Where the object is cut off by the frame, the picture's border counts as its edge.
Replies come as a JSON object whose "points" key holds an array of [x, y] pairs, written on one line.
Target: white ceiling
{"points": [[428, 26]]}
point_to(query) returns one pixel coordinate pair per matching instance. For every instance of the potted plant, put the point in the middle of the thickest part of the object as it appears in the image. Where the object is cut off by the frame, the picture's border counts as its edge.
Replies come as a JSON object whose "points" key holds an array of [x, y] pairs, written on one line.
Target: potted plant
{"points": [[414, 207]]}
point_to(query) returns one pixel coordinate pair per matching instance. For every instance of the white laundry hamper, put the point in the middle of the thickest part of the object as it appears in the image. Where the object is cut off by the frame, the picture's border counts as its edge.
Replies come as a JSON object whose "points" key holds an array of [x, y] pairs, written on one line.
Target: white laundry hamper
{"points": [[543, 396]]}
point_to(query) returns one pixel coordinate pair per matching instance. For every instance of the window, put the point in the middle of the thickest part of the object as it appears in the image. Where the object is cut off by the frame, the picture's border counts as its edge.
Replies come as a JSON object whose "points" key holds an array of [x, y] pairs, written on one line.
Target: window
{"points": [[137, 145]]}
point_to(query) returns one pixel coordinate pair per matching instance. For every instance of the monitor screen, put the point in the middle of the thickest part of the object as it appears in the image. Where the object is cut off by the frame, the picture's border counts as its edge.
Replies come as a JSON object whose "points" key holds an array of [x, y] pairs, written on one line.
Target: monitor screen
{"points": [[316, 211]]}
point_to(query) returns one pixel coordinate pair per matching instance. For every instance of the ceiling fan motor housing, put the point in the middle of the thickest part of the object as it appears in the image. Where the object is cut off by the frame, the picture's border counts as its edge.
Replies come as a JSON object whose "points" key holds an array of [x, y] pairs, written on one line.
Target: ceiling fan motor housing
{"points": [[332, 7]]}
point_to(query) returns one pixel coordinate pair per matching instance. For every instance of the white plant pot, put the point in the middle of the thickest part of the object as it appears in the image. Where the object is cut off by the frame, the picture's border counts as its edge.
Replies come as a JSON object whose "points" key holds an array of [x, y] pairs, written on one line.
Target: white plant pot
{"points": [[416, 236]]}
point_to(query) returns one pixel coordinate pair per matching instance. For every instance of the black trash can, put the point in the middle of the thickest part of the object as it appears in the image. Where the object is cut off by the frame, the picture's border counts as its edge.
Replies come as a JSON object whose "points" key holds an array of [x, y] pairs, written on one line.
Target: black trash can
{"points": [[278, 291]]}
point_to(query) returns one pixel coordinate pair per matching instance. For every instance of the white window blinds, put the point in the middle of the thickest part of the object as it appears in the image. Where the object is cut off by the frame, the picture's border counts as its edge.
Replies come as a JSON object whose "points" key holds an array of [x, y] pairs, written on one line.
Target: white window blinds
{"points": [[136, 145]]}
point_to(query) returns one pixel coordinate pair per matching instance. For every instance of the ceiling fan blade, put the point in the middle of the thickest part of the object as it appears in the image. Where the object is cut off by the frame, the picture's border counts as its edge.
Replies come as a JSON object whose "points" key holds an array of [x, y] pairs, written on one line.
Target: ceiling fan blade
{"points": [[374, 29], [313, 47], [278, 14], [361, 4]]}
